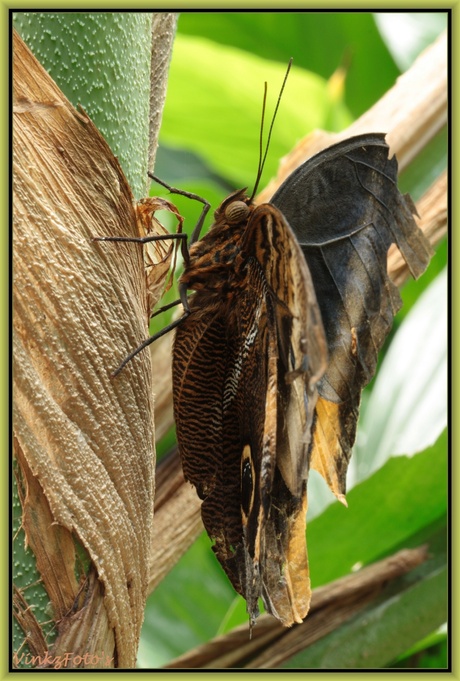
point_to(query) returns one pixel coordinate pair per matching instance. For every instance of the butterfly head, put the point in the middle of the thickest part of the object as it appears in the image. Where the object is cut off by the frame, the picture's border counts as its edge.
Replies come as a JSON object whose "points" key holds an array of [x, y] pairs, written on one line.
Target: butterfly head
{"points": [[235, 209], [213, 259]]}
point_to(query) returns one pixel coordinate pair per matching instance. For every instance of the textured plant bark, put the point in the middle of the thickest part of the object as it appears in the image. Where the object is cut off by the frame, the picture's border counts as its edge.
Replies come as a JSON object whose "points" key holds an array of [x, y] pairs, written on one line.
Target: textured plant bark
{"points": [[85, 441], [163, 31], [331, 605]]}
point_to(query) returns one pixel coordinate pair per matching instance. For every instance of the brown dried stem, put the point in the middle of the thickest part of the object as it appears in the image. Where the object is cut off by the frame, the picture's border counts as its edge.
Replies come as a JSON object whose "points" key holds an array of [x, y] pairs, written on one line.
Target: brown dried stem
{"points": [[331, 606], [84, 443]]}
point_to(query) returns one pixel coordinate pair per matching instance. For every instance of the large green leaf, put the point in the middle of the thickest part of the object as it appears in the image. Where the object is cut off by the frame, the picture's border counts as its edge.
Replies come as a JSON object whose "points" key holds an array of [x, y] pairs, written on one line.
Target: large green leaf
{"points": [[407, 409], [408, 611], [187, 608], [400, 500], [214, 105], [429, 652], [318, 41]]}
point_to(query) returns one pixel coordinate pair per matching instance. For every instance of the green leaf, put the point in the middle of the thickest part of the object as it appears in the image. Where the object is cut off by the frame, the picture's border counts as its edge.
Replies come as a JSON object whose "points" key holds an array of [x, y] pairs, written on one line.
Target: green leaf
{"points": [[431, 651], [402, 499], [187, 608], [318, 41], [236, 615], [411, 609], [221, 117], [407, 409]]}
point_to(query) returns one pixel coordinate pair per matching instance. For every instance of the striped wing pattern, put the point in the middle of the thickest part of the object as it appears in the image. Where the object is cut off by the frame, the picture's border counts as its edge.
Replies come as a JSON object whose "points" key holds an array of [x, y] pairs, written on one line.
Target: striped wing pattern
{"points": [[284, 332], [246, 363]]}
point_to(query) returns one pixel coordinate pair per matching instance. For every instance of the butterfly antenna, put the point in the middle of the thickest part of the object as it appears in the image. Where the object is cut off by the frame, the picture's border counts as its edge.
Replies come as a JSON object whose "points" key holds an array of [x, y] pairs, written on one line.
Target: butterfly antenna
{"points": [[261, 140], [263, 156]]}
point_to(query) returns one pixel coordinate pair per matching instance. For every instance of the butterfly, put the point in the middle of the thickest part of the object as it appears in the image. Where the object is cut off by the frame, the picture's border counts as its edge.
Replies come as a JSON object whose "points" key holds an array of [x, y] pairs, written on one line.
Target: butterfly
{"points": [[246, 362], [291, 305]]}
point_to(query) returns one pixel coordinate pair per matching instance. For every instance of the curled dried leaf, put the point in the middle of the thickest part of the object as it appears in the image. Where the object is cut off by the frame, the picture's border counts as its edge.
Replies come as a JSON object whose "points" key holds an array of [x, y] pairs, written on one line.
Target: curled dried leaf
{"points": [[86, 441], [159, 256]]}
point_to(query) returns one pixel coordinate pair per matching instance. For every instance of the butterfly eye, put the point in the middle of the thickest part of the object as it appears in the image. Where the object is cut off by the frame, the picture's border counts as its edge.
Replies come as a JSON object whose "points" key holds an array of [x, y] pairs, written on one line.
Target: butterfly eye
{"points": [[237, 211]]}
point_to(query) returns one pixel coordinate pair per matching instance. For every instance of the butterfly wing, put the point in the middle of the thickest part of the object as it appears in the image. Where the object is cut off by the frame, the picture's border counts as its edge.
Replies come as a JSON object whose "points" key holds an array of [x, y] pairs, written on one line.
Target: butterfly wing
{"points": [[346, 210], [244, 376], [295, 352]]}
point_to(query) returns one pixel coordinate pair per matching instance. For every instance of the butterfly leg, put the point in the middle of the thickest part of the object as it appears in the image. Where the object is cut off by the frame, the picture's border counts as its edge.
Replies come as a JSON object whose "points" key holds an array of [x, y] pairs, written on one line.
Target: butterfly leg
{"points": [[184, 300], [165, 308], [181, 192], [147, 239]]}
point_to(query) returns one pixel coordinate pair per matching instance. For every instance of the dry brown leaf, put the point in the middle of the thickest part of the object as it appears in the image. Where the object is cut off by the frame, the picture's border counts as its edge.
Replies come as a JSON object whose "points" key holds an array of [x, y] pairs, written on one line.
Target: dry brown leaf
{"points": [[25, 617], [159, 256], [84, 441]]}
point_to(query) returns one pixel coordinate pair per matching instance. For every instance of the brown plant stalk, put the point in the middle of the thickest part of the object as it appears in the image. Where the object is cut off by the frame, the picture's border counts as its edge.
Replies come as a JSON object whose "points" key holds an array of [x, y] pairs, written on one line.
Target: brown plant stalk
{"points": [[83, 443]]}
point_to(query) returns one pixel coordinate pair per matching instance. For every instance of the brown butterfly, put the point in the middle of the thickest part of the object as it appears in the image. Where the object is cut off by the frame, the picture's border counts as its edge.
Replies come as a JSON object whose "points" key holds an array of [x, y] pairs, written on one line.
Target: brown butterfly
{"points": [[245, 367], [292, 303], [256, 404]]}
